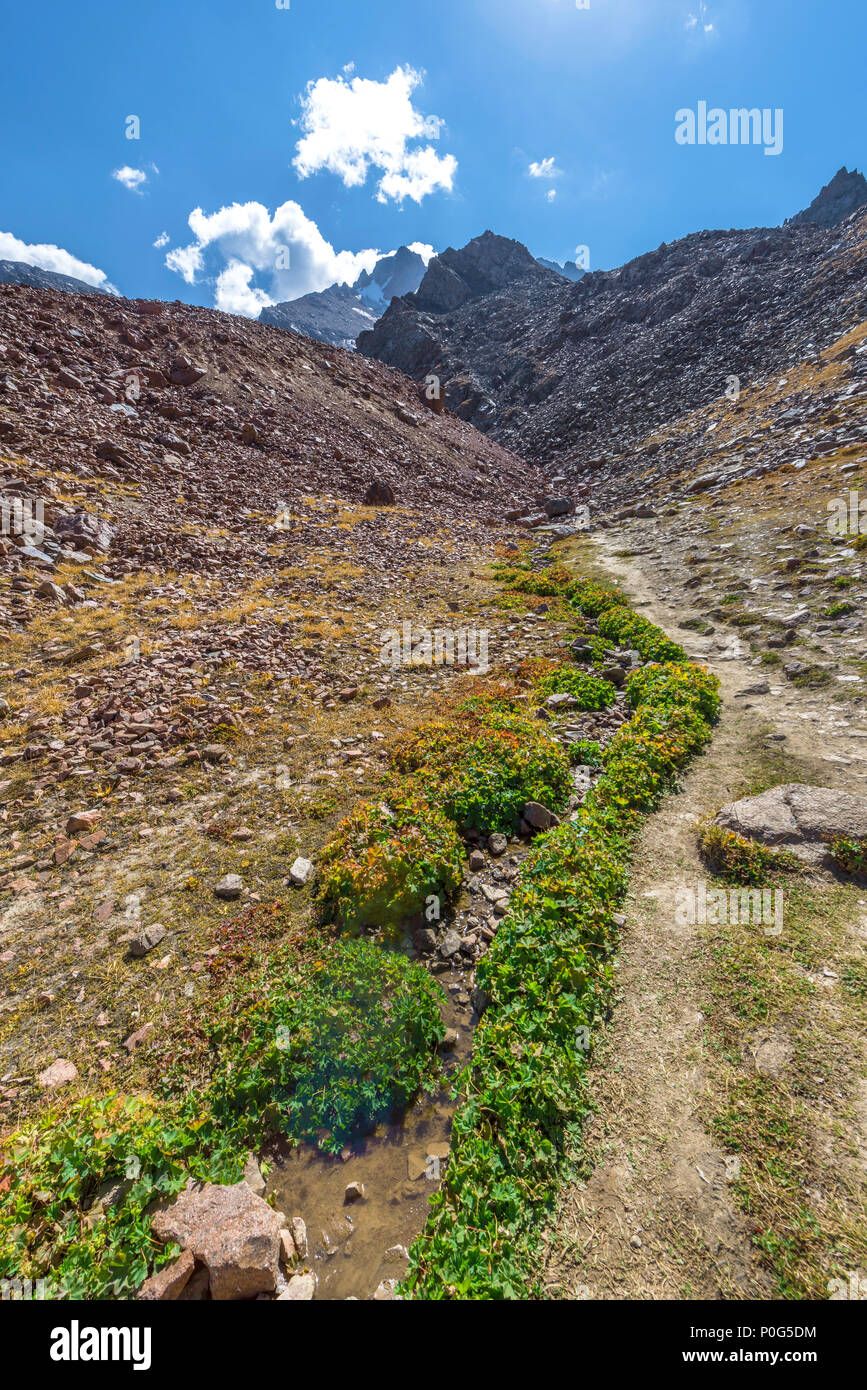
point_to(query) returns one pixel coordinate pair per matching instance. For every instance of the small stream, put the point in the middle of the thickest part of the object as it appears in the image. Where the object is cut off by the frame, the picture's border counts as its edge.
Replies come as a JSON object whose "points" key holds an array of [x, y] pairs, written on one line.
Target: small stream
{"points": [[354, 1248]]}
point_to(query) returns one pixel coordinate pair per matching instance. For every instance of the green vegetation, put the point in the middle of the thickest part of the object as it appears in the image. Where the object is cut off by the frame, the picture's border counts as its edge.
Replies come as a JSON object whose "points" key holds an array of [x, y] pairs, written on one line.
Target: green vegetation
{"points": [[483, 764], [385, 860], [586, 752], [547, 979], [316, 1042], [738, 860], [850, 856], [589, 691]]}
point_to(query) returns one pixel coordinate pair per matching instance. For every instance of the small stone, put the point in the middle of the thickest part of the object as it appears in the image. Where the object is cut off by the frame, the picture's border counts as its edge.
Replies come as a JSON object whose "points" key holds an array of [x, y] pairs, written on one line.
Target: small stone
{"points": [[229, 887], [168, 1283], [354, 1193], [497, 844], [60, 1073], [300, 872], [538, 816], [301, 1288], [288, 1253], [450, 1040], [253, 1175], [147, 940], [298, 1227], [476, 860], [385, 1292], [379, 494]]}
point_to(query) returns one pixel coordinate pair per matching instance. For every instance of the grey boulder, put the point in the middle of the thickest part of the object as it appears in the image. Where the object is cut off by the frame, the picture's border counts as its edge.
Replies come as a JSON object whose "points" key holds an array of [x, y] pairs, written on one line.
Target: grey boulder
{"points": [[797, 818]]}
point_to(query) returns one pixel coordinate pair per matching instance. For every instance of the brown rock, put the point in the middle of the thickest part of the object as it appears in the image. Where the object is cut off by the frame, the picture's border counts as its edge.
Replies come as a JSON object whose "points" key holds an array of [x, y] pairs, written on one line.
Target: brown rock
{"points": [[82, 820], [168, 1283], [379, 494], [231, 1231], [60, 1073]]}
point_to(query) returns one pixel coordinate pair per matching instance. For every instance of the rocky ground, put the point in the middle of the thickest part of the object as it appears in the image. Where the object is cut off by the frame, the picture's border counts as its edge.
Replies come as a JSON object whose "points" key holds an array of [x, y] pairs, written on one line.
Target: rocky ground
{"points": [[209, 527], [190, 671]]}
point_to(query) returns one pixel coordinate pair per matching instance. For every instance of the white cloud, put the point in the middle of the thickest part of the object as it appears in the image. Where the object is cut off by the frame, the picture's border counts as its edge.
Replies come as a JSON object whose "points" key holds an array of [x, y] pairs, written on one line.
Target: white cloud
{"points": [[544, 169], [130, 178], [235, 295], [49, 257], [286, 252], [351, 127], [162, 240], [700, 21], [551, 194], [421, 248]]}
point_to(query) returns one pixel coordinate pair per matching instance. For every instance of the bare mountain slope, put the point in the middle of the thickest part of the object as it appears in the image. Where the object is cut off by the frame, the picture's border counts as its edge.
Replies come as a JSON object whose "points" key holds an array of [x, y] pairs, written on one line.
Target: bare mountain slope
{"points": [[567, 373]]}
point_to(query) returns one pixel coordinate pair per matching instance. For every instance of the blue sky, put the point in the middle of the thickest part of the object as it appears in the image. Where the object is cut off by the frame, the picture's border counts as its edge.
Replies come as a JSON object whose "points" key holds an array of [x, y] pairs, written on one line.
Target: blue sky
{"points": [[371, 125]]}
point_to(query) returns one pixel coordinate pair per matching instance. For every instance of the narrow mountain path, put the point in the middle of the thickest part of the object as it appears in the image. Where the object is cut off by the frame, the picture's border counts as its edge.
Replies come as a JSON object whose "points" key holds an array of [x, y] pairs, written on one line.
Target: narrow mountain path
{"points": [[657, 1216]]}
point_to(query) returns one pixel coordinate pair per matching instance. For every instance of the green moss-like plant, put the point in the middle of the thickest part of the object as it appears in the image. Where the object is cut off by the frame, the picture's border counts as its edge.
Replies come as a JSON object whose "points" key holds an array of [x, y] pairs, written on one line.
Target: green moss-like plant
{"points": [[589, 691]]}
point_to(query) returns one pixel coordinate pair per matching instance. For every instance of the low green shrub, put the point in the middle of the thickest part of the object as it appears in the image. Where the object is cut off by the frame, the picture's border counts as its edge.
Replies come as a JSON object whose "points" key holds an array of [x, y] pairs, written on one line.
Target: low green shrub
{"points": [[346, 1039], [482, 766], [589, 691], [629, 629], [385, 860], [586, 752], [739, 860], [850, 856]]}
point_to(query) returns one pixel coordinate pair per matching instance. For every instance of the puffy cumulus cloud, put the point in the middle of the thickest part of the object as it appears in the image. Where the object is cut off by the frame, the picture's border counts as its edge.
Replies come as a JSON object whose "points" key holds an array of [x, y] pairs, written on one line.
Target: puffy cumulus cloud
{"points": [[130, 178], [235, 294], [162, 240], [352, 126], [421, 248], [287, 253], [544, 169], [49, 257]]}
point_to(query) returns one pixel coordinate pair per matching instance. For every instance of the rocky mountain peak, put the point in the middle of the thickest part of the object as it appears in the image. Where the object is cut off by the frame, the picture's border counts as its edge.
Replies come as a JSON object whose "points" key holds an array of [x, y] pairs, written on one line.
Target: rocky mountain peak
{"points": [[486, 264], [846, 192]]}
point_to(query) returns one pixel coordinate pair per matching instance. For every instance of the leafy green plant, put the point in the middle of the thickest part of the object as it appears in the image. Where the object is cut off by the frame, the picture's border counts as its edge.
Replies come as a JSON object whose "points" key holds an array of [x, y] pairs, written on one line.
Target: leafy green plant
{"points": [[586, 752], [589, 691], [482, 766], [739, 860], [386, 859], [348, 1038], [631, 630], [76, 1187], [850, 855]]}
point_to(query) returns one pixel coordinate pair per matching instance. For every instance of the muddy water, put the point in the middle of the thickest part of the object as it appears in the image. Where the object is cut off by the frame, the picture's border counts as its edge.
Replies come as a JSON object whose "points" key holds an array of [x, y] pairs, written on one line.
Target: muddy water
{"points": [[348, 1245]]}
